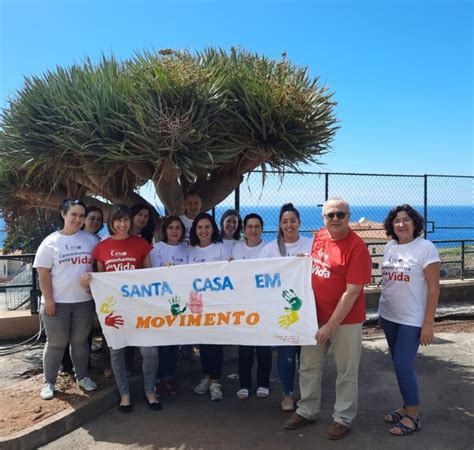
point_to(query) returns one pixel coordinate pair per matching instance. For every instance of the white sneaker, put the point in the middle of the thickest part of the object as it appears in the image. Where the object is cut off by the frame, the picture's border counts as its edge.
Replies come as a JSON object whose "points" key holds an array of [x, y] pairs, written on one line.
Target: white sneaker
{"points": [[47, 392], [216, 391], [263, 392], [203, 386], [87, 384], [243, 394]]}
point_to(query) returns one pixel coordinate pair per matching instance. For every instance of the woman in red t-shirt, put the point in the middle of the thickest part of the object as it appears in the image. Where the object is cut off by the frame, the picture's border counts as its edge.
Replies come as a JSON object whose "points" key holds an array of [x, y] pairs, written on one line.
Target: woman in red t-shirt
{"points": [[121, 251]]}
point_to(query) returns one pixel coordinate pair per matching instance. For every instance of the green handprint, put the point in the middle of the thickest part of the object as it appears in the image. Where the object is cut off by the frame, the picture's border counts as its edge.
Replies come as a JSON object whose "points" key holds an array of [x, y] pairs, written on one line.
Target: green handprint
{"points": [[174, 302], [294, 301]]}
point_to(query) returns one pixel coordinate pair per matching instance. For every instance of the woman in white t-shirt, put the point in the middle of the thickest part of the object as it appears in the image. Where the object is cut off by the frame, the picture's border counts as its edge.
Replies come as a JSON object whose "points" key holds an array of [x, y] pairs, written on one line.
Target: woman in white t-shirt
{"points": [[410, 291], [93, 223], [288, 243], [171, 251], [67, 308], [231, 227], [250, 248], [206, 246]]}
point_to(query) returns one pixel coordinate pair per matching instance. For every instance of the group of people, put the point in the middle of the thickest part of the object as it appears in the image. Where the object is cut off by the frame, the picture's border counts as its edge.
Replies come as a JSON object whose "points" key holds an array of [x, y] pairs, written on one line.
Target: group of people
{"points": [[341, 267]]}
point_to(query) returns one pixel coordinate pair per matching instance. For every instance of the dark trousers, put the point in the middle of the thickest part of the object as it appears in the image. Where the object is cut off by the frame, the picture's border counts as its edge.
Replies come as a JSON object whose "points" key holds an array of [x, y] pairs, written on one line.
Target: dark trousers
{"points": [[211, 360], [264, 361], [168, 359]]}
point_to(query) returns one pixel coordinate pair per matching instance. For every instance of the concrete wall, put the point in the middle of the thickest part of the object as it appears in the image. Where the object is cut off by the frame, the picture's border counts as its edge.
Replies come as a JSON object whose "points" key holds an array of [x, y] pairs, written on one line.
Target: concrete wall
{"points": [[452, 291]]}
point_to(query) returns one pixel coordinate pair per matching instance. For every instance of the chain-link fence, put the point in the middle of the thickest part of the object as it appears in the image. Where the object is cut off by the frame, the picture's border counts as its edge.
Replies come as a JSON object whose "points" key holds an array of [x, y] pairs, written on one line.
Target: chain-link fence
{"points": [[18, 282], [446, 202]]}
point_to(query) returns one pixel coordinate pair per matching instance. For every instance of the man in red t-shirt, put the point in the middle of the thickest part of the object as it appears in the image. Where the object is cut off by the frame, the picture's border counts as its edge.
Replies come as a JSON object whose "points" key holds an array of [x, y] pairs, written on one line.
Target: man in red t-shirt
{"points": [[341, 267]]}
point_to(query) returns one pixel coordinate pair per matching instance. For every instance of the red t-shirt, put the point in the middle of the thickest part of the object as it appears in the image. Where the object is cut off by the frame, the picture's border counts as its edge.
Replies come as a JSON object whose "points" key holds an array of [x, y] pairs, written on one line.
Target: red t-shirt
{"points": [[336, 263], [126, 254]]}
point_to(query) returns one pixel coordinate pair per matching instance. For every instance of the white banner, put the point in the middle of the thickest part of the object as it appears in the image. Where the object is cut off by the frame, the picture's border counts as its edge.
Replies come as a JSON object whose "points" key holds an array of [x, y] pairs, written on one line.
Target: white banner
{"points": [[249, 302]]}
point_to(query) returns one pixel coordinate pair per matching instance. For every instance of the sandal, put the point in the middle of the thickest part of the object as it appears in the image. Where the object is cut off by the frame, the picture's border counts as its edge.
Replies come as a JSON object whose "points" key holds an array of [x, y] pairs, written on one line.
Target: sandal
{"points": [[394, 416], [404, 429]]}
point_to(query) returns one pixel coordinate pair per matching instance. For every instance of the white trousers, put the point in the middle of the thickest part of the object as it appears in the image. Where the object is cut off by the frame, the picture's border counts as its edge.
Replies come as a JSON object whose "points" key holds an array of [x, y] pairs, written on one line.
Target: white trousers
{"points": [[346, 344]]}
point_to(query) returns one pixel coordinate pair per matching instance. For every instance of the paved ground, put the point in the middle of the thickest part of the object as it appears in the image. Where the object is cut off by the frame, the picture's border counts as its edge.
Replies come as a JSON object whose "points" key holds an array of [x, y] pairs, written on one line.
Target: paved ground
{"points": [[191, 422]]}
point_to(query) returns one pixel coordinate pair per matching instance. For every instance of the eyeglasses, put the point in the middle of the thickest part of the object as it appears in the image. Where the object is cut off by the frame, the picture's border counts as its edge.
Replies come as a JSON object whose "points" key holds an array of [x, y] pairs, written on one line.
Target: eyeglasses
{"points": [[339, 215], [402, 221]]}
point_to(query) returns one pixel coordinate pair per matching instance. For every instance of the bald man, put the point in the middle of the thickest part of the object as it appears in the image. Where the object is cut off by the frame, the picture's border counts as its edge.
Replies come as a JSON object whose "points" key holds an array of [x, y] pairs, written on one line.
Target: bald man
{"points": [[341, 268]]}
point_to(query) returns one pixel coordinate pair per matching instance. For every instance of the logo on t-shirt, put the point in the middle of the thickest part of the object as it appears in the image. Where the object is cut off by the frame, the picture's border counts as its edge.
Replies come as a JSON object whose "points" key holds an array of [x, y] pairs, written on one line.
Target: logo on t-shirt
{"points": [[321, 267], [395, 259], [73, 247], [117, 254], [323, 256]]}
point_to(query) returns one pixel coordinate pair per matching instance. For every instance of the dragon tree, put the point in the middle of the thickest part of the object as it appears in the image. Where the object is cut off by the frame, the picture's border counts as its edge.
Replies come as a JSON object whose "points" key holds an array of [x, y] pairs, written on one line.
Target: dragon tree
{"points": [[100, 131]]}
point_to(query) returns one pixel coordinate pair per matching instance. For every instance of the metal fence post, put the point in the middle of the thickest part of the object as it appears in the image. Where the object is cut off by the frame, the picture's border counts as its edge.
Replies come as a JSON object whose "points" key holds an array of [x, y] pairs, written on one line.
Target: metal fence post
{"points": [[326, 186], [425, 201]]}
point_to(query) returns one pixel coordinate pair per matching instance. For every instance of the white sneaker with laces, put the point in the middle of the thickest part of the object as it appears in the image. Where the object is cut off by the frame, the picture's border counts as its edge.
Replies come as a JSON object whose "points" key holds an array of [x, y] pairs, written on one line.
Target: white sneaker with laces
{"points": [[203, 386], [47, 392], [87, 384], [216, 391]]}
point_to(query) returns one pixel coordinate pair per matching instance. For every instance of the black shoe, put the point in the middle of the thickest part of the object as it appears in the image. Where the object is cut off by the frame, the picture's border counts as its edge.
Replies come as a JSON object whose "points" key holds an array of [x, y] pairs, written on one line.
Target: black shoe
{"points": [[155, 406], [125, 409]]}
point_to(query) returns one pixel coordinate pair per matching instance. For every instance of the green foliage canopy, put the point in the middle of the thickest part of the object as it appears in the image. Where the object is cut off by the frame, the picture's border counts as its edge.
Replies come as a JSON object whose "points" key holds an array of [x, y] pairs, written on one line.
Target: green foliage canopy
{"points": [[181, 120]]}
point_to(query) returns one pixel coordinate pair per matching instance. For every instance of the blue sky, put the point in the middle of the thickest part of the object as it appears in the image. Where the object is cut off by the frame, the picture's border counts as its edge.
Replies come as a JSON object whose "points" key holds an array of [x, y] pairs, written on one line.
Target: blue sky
{"points": [[402, 71]]}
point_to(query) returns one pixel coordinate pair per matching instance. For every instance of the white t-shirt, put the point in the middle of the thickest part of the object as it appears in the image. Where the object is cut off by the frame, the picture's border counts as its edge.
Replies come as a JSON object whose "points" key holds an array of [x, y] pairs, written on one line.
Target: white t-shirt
{"points": [[302, 245], [243, 251], [163, 254], [213, 252], [68, 257], [404, 288], [188, 223], [229, 244]]}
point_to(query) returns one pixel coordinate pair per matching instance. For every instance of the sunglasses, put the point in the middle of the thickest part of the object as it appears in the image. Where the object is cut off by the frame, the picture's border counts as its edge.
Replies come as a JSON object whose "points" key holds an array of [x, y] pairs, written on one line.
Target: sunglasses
{"points": [[338, 215]]}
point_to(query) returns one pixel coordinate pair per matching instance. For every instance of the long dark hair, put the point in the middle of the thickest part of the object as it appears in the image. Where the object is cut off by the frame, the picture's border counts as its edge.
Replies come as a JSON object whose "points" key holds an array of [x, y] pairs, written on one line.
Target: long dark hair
{"points": [[167, 222], [193, 239], [66, 205], [90, 209], [287, 207], [414, 215], [228, 213], [149, 228]]}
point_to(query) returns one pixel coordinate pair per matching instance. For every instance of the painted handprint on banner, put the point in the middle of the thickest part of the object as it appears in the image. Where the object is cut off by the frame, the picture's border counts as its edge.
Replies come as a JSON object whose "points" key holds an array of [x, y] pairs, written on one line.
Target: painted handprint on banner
{"points": [[106, 305], [174, 306], [294, 301], [289, 319], [286, 320], [195, 302], [114, 321]]}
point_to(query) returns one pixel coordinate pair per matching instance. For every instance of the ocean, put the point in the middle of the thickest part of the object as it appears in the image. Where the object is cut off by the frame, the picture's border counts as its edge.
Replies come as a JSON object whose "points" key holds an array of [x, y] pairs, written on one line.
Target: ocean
{"points": [[444, 222]]}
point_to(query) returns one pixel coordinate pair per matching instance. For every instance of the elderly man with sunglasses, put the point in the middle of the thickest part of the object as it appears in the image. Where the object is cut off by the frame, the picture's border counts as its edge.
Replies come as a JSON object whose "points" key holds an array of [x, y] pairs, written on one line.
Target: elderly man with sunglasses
{"points": [[341, 267]]}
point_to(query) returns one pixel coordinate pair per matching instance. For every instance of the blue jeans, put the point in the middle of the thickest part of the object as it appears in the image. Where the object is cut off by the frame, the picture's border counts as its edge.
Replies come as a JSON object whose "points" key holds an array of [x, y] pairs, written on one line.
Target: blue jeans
{"points": [[168, 359], [119, 368], [403, 341], [71, 324], [287, 366]]}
